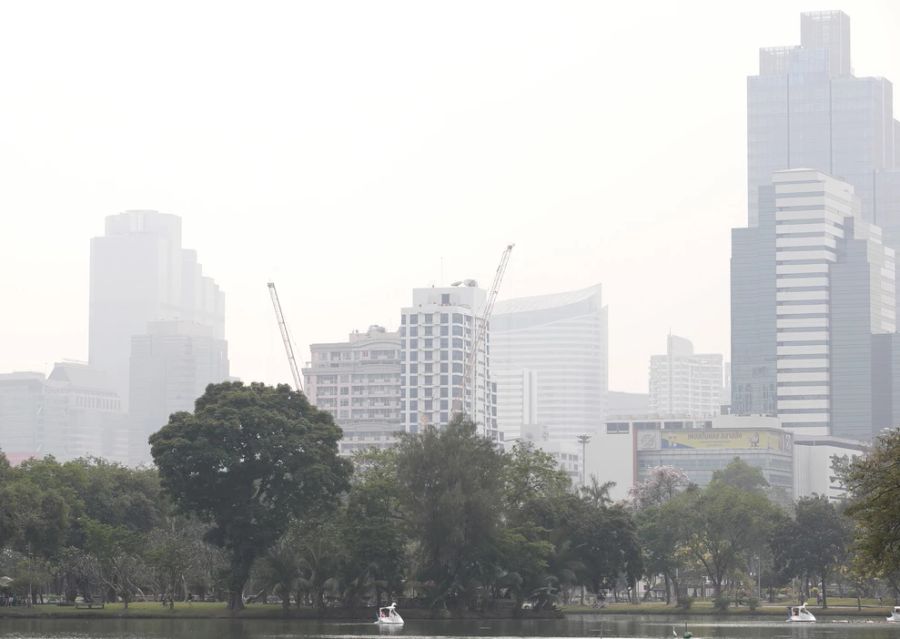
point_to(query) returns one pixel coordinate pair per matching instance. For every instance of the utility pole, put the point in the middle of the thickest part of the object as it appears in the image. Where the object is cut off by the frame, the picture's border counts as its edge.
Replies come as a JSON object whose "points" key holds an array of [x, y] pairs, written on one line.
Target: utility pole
{"points": [[758, 577], [583, 439], [30, 577]]}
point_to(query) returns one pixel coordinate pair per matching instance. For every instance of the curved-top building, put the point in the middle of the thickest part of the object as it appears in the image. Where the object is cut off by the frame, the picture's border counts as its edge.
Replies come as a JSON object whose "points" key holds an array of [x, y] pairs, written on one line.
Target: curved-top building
{"points": [[549, 360]]}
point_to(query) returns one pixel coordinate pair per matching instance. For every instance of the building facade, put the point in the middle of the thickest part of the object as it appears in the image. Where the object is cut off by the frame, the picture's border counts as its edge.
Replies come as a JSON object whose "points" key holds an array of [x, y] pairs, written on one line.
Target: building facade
{"points": [[84, 415], [73, 413], [438, 376], [685, 383], [21, 414], [358, 382], [625, 451], [550, 361], [835, 289], [171, 366]]}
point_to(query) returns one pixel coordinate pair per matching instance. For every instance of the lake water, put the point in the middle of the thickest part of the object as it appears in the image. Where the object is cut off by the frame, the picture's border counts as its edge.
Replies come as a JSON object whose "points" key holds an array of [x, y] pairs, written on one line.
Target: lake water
{"points": [[589, 626]]}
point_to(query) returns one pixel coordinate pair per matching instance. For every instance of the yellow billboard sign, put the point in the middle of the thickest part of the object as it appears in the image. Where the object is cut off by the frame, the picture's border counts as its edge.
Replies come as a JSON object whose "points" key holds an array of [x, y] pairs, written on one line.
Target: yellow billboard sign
{"points": [[742, 439]]}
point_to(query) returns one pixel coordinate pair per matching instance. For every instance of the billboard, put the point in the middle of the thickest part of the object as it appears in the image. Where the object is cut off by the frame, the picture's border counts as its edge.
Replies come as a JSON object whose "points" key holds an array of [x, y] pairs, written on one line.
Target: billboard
{"points": [[740, 439]]}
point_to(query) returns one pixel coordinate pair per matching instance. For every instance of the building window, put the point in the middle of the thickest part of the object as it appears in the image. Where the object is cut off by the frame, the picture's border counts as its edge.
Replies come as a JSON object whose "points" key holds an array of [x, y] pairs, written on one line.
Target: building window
{"points": [[617, 428], [445, 299]]}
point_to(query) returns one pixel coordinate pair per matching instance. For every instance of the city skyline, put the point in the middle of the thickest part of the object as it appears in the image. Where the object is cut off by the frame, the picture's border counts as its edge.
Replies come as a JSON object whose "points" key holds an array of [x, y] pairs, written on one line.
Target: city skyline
{"points": [[365, 179]]}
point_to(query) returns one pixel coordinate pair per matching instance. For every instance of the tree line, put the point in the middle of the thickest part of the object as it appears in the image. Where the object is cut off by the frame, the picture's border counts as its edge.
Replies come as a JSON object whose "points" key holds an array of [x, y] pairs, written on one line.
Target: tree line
{"points": [[249, 499]]}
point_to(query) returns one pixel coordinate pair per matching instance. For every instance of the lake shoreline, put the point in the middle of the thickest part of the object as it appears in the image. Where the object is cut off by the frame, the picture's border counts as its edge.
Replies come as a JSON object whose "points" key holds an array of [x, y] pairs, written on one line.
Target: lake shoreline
{"points": [[256, 612]]}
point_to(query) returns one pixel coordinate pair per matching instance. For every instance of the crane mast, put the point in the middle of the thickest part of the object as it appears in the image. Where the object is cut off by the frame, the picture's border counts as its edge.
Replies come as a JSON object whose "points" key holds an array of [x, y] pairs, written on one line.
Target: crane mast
{"points": [[286, 338], [481, 326]]}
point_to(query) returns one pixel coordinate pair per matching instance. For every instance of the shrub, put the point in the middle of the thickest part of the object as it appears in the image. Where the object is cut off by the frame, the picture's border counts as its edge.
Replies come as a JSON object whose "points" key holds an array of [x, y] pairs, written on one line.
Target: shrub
{"points": [[685, 603], [753, 603], [721, 603]]}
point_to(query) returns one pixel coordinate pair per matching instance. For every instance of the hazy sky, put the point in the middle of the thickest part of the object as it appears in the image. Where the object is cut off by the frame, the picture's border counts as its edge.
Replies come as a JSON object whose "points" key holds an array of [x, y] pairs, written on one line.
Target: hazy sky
{"points": [[344, 149]]}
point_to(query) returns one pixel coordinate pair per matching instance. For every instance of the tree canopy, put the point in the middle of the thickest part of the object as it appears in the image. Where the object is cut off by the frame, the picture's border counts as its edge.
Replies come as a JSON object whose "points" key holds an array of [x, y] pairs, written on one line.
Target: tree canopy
{"points": [[874, 483], [249, 460]]}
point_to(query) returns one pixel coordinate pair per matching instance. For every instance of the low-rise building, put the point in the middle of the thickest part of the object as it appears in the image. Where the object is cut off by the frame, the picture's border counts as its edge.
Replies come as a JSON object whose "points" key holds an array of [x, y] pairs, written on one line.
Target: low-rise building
{"points": [[625, 450]]}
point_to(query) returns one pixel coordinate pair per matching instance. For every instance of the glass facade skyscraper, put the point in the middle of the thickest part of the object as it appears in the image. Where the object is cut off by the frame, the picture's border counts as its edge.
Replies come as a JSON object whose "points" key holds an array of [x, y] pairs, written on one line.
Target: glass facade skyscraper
{"points": [[813, 277], [806, 109]]}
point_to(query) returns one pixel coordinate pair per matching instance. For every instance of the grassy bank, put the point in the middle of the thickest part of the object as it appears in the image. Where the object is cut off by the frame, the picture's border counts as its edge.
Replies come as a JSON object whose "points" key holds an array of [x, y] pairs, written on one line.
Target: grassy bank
{"points": [[837, 608]]}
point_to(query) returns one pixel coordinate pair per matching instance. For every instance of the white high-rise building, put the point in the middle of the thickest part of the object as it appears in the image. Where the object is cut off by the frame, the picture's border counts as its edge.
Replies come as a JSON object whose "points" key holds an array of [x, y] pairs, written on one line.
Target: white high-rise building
{"points": [[835, 285], [358, 382], [549, 359], [437, 334], [684, 383]]}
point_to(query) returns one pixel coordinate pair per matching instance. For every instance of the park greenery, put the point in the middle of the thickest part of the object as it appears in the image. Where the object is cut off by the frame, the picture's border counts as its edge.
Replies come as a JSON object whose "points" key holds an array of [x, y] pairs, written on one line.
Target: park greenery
{"points": [[249, 500]]}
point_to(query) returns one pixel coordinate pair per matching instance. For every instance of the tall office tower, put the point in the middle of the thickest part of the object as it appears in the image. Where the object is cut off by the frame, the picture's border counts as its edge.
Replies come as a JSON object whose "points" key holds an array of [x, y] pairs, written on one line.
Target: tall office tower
{"points": [[549, 359], [806, 109], [358, 382], [171, 365], [828, 287], [139, 274], [753, 322], [684, 383], [437, 334]]}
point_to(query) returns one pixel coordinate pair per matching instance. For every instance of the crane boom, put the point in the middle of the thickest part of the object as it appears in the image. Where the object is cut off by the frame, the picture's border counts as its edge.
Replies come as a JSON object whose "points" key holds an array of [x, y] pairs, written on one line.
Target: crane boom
{"points": [[482, 322], [285, 336]]}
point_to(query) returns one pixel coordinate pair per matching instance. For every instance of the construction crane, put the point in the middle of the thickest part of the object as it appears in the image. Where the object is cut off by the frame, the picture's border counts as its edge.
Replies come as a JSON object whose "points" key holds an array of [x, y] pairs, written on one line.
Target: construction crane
{"points": [[469, 374], [285, 336]]}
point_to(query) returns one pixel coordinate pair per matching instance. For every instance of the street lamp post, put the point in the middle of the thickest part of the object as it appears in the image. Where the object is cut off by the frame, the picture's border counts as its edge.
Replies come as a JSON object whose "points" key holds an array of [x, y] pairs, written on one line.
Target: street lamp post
{"points": [[583, 439]]}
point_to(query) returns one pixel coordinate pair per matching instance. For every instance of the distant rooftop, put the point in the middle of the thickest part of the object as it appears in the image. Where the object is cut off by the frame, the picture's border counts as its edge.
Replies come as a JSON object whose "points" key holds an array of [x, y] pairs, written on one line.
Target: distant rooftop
{"points": [[543, 302]]}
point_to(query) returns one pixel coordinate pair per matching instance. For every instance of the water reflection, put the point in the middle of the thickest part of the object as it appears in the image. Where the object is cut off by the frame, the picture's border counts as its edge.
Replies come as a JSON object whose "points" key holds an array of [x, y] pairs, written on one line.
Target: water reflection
{"points": [[587, 626]]}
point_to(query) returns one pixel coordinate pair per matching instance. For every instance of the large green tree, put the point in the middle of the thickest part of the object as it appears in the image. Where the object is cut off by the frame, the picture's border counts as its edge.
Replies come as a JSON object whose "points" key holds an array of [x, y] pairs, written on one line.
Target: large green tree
{"points": [[726, 522], [658, 520], [249, 460], [813, 543], [450, 482], [372, 529], [874, 483]]}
